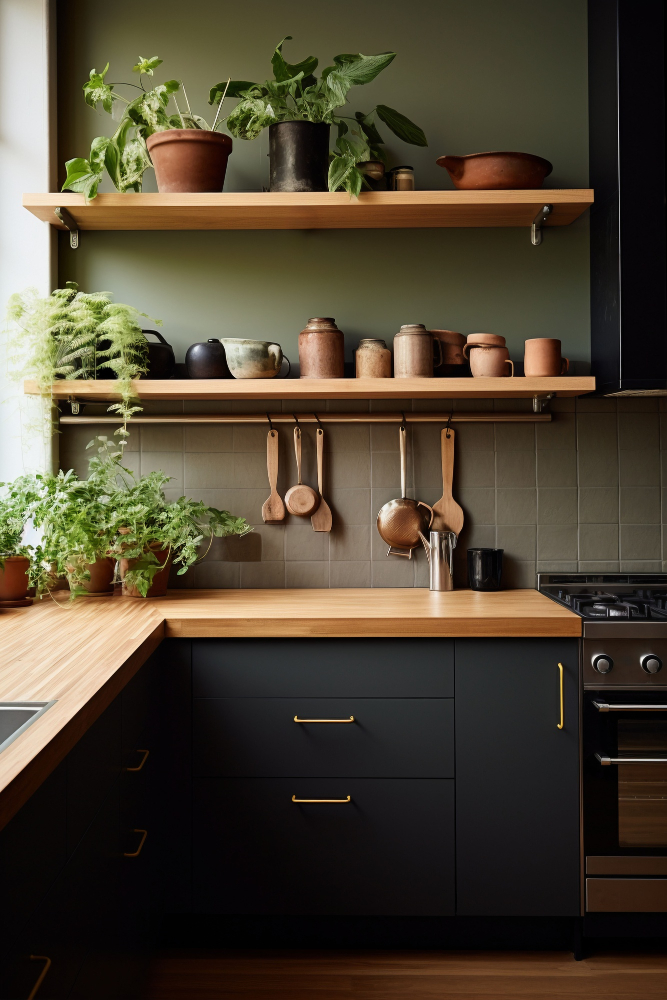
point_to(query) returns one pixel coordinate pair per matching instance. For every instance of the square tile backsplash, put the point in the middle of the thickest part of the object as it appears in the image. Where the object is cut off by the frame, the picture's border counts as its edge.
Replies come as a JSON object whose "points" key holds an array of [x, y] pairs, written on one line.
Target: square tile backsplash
{"points": [[586, 492]]}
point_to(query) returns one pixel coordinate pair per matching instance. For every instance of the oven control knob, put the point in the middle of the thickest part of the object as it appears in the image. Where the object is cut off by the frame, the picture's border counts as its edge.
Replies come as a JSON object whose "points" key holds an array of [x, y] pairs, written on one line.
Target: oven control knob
{"points": [[651, 664], [603, 664]]}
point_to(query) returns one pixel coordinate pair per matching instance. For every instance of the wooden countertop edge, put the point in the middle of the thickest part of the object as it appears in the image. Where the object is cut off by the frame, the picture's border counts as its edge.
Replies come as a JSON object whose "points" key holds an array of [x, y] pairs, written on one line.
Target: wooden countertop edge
{"points": [[198, 627]]}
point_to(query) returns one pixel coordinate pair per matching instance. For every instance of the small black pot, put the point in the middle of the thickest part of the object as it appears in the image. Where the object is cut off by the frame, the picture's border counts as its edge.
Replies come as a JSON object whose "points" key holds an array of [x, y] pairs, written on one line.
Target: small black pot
{"points": [[207, 360], [485, 568], [161, 359], [298, 156]]}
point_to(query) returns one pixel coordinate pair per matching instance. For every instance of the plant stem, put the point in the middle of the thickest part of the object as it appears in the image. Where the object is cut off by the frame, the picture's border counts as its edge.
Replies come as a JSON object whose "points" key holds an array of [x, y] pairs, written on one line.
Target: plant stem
{"points": [[179, 111], [220, 105], [185, 95]]}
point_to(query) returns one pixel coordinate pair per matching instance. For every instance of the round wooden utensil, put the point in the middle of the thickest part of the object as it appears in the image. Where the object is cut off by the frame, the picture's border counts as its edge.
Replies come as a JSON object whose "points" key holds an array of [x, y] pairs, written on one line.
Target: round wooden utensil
{"points": [[273, 509], [300, 499], [321, 519], [447, 515]]}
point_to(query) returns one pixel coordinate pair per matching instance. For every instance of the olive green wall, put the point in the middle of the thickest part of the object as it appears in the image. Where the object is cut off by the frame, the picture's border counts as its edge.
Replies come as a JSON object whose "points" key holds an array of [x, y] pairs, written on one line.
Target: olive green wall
{"points": [[484, 74]]}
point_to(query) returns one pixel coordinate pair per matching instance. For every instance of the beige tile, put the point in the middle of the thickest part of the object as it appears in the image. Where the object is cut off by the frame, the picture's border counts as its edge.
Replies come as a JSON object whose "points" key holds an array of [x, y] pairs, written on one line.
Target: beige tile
{"points": [[557, 506], [347, 437], [234, 548], [597, 432], [518, 541], [640, 541], [386, 470], [587, 404], [563, 404], [215, 574], [515, 437], [641, 566], [472, 405], [349, 470], [253, 405], [304, 544], [479, 505], [518, 574], [559, 434], [350, 574], [348, 405], [598, 468], [640, 467], [392, 571], [350, 506], [513, 405], [475, 437], [587, 566], [240, 503], [263, 575], [556, 468], [557, 541], [474, 468], [639, 430], [515, 468], [557, 566], [250, 437], [598, 505], [391, 405], [516, 506], [208, 437], [433, 405], [306, 574], [385, 437], [351, 542], [205, 471], [272, 538], [169, 462], [207, 406], [161, 437], [637, 404], [640, 505], [663, 425], [598, 542]]}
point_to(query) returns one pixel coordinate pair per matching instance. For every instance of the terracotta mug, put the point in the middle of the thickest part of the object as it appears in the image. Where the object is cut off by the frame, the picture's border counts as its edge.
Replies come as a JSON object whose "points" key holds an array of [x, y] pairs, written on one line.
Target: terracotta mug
{"points": [[487, 361], [542, 358]]}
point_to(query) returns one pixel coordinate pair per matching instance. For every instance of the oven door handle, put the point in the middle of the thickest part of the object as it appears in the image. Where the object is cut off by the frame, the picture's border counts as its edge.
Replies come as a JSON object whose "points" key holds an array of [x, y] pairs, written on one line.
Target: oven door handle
{"points": [[603, 706], [630, 760]]}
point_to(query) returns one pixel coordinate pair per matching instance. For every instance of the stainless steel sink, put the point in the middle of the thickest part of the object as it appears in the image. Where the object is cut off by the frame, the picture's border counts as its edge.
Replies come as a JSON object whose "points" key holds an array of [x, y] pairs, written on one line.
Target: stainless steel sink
{"points": [[16, 716]]}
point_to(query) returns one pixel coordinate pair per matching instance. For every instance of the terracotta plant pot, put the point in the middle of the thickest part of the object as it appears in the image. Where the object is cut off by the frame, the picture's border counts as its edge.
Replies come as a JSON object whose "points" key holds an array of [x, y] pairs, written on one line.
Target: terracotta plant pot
{"points": [[489, 361], [158, 588], [542, 358], [101, 577], [189, 159], [14, 578], [496, 171]]}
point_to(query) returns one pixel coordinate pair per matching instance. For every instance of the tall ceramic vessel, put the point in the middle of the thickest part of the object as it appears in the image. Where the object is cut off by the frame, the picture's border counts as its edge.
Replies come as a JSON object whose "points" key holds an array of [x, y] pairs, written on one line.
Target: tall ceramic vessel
{"points": [[321, 349]]}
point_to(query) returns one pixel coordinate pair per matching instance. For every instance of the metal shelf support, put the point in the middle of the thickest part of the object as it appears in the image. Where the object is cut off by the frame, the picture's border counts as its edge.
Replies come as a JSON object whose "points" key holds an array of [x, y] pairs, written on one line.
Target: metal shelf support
{"points": [[538, 221], [68, 222]]}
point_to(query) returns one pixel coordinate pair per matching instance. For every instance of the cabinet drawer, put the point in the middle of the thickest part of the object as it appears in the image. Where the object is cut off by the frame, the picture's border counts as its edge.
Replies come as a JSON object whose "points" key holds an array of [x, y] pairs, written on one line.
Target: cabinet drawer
{"points": [[390, 850], [389, 738], [323, 668]]}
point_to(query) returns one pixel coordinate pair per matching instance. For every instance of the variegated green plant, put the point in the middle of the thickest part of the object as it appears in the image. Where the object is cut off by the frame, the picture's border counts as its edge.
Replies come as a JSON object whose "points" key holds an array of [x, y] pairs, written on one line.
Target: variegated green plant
{"points": [[295, 94]]}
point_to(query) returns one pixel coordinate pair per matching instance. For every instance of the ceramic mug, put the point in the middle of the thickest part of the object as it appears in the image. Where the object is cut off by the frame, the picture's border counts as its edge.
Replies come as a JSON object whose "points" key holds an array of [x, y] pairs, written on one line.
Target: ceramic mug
{"points": [[253, 358], [487, 361], [542, 358]]}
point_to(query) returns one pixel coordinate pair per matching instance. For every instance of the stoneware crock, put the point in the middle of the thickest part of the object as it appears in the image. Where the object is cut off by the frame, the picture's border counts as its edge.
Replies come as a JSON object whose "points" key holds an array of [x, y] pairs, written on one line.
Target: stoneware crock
{"points": [[414, 349], [189, 159], [496, 171], [253, 358], [542, 358], [372, 359], [321, 349], [488, 361]]}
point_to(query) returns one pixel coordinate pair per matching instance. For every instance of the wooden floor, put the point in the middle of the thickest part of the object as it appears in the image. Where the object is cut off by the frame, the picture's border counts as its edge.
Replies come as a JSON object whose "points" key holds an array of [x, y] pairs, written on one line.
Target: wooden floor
{"points": [[393, 975]]}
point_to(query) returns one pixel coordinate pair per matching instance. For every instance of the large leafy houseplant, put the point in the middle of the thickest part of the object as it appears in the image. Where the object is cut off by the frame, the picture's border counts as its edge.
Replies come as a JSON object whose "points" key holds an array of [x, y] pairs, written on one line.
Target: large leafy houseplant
{"points": [[124, 155], [296, 94]]}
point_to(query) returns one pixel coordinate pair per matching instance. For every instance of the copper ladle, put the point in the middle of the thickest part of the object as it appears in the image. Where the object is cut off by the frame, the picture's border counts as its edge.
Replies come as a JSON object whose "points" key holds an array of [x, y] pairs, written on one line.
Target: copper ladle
{"points": [[402, 523]]}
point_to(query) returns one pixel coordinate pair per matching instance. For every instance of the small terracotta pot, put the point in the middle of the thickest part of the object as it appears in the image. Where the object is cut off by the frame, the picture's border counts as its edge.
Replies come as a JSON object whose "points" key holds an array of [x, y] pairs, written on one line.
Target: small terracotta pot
{"points": [[542, 358], [488, 361], [189, 159], [487, 339], [101, 576], [321, 349], [158, 588], [14, 578]]}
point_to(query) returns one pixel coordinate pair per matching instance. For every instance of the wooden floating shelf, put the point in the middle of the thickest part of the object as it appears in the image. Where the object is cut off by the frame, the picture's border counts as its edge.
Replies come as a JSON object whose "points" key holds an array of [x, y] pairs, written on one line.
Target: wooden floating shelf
{"points": [[101, 390], [372, 210]]}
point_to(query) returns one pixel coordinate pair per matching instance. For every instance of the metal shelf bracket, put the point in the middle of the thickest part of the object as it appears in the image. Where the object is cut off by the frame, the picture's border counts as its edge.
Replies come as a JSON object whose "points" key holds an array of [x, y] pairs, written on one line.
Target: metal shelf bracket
{"points": [[538, 221], [68, 222]]}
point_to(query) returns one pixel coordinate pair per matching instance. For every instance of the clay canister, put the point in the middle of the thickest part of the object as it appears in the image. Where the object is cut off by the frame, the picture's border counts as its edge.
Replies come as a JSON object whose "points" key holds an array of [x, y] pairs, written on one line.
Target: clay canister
{"points": [[453, 362], [373, 359], [321, 349], [487, 361], [542, 358], [413, 352]]}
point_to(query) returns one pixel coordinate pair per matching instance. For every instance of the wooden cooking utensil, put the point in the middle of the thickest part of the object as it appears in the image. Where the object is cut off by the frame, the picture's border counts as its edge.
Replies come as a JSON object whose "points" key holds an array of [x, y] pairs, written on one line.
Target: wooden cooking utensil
{"points": [[321, 519], [448, 516], [273, 509], [300, 499]]}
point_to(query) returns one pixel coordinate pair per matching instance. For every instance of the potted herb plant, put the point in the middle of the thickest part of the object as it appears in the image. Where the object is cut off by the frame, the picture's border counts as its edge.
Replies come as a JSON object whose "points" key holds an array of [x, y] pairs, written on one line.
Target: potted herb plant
{"points": [[299, 110], [14, 555], [188, 154]]}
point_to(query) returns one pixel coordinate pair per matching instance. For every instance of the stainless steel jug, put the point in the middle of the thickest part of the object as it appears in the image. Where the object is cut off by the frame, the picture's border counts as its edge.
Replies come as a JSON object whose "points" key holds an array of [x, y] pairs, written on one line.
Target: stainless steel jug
{"points": [[440, 553]]}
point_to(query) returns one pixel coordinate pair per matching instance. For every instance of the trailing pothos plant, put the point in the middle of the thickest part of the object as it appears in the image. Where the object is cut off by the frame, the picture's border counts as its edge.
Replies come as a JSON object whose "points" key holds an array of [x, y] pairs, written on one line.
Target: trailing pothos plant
{"points": [[296, 94], [14, 504], [124, 155], [77, 335]]}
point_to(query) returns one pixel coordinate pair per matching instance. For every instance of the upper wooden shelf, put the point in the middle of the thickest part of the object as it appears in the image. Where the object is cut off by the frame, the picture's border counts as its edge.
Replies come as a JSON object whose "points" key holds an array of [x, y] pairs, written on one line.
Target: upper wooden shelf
{"points": [[372, 210], [337, 388]]}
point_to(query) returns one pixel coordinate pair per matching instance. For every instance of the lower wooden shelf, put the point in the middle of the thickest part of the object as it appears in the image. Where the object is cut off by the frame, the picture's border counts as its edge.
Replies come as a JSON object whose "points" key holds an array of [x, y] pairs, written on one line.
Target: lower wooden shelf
{"points": [[313, 389]]}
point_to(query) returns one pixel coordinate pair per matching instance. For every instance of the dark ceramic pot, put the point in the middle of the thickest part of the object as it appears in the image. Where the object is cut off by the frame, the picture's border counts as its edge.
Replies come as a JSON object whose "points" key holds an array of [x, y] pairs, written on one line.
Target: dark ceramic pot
{"points": [[161, 358], [298, 156], [207, 360]]}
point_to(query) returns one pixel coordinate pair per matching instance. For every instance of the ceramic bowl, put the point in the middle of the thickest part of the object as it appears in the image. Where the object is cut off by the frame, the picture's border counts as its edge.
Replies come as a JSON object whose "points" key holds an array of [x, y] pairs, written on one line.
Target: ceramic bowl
{"points": [[253, 358], [496, 171]]}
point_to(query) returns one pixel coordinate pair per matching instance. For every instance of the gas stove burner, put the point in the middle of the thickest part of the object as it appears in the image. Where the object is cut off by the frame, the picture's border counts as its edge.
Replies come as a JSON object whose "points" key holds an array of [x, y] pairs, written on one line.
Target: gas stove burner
{"points": [[628, 603]]}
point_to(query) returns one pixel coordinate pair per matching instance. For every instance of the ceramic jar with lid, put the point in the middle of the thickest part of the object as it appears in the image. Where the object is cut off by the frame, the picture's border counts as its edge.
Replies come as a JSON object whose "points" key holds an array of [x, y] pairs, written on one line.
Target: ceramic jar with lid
{"points": [[373, 359], [321, 349], [414, 347]]}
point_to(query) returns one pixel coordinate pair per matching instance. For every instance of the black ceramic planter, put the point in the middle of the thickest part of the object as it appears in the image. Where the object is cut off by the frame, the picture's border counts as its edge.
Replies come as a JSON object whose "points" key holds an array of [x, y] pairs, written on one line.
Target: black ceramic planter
{"points": [[298, 156]]}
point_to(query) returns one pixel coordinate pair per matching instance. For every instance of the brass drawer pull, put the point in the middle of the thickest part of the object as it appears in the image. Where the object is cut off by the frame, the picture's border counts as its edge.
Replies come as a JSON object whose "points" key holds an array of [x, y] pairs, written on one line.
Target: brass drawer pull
{"points": [[562, 713], [348, 799], [40, 980], [343, 721], [135, 854], [145, 758]]}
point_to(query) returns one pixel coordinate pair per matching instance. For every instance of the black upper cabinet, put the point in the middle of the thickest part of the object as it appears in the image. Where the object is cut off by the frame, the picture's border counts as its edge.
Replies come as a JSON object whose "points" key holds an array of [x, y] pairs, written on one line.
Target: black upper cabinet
{"points": [[517, 778]]}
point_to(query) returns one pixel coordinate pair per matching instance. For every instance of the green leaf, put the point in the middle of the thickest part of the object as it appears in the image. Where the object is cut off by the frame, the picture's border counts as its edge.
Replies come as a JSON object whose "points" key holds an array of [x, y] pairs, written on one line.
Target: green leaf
{"points": [[339, 169], [237, 88], [96, 91], [369, 129], [280, 70], [146, 66], [401, 126], [82, 177], [360, 69]]}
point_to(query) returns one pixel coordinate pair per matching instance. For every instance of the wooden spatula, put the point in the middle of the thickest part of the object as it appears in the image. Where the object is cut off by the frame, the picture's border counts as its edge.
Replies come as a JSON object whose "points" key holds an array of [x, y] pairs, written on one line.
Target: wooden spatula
{"points": [[273, 509], [447, 515], [321, 520]]}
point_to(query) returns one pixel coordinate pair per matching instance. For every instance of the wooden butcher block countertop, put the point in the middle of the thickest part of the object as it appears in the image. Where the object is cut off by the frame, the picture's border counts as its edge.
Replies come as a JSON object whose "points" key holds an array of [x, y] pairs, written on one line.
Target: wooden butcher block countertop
{"points": [[82, 655]]}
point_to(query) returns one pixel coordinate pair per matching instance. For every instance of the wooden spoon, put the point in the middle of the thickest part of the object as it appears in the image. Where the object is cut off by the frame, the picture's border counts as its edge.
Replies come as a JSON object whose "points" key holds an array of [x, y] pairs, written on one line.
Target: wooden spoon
{"points": [[448, 516], [273, 509], [301, 500], [321, 519]]}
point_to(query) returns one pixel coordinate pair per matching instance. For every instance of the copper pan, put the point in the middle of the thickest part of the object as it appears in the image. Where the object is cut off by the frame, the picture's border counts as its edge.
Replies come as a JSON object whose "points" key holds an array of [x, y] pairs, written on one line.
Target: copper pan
{"points": [[402, 523]]}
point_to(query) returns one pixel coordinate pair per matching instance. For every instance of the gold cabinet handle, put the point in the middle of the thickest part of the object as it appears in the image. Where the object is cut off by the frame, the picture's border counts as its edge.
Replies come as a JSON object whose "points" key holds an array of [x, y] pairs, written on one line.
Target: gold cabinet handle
{"points": [[343, 721], [144, 759], [40, 980], [135, 854], [348, 799], [562, 714]]}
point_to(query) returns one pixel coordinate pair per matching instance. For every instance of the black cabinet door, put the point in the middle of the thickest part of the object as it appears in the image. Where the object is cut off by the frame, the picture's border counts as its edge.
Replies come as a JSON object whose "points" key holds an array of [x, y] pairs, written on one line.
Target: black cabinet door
{"points": [[93, 766], [517, 777], [389, 737], [389, 850]]}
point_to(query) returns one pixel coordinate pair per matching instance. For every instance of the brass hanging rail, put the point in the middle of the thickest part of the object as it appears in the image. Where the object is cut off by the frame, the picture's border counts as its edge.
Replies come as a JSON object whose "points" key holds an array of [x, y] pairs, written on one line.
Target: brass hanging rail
{"points": [[462, 417]]}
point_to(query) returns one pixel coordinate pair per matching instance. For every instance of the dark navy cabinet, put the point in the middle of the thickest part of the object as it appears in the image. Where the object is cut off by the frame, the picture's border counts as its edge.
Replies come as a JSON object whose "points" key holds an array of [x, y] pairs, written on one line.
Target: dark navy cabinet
{"points": [[517, 777]]}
